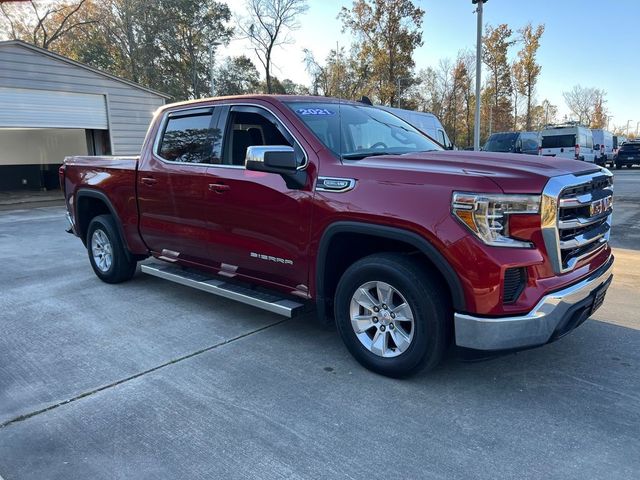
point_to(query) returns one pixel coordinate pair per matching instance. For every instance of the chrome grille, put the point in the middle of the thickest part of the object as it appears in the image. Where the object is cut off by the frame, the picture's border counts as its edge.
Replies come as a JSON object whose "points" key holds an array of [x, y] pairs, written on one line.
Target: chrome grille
{"points": [[576, 217]]}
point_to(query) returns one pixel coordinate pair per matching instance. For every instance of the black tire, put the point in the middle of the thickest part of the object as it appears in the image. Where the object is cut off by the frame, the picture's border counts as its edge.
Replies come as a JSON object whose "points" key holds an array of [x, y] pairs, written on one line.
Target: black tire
{"points": [[618, 166], [430, 307], [122, 265], [629, 166]]}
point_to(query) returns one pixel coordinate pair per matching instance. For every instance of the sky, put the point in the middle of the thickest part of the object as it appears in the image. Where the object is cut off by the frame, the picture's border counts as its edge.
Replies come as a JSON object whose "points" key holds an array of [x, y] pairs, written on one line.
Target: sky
{"points": [[594, 43]]}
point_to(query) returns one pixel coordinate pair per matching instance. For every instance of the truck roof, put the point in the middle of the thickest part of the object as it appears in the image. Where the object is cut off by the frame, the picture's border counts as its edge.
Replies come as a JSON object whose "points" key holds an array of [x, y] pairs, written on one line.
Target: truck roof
{"points": [[267, 97]]}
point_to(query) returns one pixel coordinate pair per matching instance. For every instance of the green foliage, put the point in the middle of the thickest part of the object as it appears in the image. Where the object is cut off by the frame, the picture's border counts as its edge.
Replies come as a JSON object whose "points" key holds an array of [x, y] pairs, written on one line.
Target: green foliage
{"points": [[386, 32], [495, 46], [237, 76], [342, 75], [162, 44], [526, 69]]}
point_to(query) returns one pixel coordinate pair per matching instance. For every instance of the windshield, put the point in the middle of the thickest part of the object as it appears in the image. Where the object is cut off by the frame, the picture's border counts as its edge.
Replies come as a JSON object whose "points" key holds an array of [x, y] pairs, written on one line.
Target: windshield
{"points": [[501, 142], [357, 131]]}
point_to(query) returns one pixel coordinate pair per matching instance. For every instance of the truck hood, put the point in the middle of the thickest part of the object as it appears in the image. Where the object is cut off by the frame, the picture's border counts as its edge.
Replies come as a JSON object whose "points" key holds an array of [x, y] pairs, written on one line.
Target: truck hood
{"points": [[513, 173]]}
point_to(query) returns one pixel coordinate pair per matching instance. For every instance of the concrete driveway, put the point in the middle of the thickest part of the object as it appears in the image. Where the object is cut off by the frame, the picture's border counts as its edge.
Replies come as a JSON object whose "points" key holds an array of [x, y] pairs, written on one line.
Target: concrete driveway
{"points": [[150, 379]]}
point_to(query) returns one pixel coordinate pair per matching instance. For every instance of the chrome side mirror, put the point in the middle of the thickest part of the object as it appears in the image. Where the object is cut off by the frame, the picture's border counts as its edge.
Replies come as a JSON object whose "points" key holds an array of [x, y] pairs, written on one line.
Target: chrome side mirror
{"points": [[271, 158]]}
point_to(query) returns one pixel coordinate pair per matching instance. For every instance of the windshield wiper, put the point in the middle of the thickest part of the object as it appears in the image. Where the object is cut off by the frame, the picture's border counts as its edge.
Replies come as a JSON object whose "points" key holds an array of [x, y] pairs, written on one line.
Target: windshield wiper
{"points": [[361, 155]]}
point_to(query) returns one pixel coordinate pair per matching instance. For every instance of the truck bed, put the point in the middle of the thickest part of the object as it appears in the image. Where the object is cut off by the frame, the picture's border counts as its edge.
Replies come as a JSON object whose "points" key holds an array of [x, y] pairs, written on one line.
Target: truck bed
{"points": [[111, 179]]}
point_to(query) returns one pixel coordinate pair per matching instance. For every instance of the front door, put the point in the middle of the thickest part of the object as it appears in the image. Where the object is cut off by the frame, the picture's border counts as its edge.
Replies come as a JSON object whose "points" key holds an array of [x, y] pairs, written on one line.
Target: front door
{"points": [[261, 225]]}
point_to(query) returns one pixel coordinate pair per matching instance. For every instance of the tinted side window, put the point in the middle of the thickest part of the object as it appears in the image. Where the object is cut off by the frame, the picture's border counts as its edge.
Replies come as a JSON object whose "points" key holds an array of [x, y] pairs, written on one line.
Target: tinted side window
{"points": [[559, 141], [190, 139], [250, 129]]}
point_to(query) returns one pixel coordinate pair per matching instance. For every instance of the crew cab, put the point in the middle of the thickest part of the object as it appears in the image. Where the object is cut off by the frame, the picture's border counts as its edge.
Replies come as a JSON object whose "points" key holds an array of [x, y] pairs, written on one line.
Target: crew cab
{"points": [[294, 202]]}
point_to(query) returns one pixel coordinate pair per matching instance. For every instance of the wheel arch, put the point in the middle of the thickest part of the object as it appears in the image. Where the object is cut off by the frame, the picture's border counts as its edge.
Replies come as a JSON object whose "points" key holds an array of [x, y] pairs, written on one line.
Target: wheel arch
{"points": [[389, 236], [91, 203]]}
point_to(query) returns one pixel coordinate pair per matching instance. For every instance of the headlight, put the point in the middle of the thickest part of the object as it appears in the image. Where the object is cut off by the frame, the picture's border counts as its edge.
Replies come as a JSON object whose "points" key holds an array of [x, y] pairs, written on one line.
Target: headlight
{"points": [[487, 215]]}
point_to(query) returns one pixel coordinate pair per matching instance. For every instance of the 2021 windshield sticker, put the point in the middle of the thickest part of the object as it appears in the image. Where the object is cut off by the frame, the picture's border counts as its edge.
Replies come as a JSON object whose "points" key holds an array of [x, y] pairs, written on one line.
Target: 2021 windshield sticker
{"points": [[315, 111]]}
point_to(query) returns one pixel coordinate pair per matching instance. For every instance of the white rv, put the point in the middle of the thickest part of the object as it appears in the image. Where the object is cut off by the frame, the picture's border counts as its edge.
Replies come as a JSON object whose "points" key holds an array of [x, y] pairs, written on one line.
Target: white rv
{"points": [[569, 140]]}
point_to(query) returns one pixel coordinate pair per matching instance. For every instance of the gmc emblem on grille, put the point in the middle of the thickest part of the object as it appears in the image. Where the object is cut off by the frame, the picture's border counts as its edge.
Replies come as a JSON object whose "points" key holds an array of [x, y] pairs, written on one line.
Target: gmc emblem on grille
{"points": [[600, 206]]}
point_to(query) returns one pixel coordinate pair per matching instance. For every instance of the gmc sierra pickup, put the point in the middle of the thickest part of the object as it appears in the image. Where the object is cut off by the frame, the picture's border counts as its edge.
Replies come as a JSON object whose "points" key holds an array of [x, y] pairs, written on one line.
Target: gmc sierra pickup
{"points": [[283, 202]]}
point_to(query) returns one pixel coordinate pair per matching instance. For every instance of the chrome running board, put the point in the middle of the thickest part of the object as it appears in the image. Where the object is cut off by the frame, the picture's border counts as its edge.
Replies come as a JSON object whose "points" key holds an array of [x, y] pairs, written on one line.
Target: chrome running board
{"points": [[208, 283]]}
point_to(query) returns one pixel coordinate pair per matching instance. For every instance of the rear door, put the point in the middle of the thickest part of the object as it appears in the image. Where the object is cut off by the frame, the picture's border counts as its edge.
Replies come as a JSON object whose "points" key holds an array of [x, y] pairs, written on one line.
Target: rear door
{"points": [[261, 225], [559, 145], [172, 185]]}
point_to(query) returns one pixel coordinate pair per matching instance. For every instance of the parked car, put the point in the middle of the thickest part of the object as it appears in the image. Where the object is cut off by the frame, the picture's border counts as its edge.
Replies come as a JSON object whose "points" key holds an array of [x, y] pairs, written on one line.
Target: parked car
{"points": [[628, 154], [513, 142], [568, 141], [603, 146], [425, 122], [288, 203]]}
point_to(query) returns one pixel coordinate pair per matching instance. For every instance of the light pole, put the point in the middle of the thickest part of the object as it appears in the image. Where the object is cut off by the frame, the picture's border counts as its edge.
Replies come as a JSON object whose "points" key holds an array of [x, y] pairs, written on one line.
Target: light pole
{"points": [[637, 128], [212, 47], [476, 126], [628, 122]]}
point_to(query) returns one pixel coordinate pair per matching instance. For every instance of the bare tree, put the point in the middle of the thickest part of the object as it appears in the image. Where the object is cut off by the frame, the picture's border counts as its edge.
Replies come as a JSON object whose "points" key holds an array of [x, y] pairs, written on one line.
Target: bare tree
{"points": [[42, 23], [582, 102], [268, 26]]}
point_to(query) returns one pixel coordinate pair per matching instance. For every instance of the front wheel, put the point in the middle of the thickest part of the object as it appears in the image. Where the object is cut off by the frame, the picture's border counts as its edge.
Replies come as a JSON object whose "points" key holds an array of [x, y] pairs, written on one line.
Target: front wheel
{"points": [[392, 314], [107, 253]]}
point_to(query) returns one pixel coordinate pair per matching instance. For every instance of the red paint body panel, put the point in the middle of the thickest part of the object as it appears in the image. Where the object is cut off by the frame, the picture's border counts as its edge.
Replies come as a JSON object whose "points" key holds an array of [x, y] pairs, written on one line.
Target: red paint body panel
{"points": [[256, 212]]}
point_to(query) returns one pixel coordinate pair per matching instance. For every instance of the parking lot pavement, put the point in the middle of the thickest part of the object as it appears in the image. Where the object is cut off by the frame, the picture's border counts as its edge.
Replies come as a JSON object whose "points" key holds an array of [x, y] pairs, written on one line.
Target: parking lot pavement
{"points": [[626, 217], [153, 380]]}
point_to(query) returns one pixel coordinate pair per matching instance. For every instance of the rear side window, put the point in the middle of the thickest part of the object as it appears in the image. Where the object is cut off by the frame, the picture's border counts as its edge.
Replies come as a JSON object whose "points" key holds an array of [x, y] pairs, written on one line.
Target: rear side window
{"points": [[559, 141], [190, 138]]}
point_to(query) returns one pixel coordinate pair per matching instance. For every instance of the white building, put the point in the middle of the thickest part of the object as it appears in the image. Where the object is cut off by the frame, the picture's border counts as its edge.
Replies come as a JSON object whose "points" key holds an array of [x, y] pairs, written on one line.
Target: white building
{"points": [[52, 107]]}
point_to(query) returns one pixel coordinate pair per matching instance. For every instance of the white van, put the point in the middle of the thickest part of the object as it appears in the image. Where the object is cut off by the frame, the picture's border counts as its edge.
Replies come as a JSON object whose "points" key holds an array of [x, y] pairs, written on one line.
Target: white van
{"points": [[569, 141], [425, 122], [603, 146]]}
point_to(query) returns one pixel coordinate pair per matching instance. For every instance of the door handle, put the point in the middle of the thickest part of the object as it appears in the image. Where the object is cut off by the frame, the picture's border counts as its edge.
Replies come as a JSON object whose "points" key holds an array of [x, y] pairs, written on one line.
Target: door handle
{"points": [[219, 187], [148, 181]]}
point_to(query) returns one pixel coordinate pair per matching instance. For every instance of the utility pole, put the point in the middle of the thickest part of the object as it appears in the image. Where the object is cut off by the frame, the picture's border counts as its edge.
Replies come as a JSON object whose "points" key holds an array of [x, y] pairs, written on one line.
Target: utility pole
{"points": [[637, 128], [628, 122], [476, 126], [212, 47]]}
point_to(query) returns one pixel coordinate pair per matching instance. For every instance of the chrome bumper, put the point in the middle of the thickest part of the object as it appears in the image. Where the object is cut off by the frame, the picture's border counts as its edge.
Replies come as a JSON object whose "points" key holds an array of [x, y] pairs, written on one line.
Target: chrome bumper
{"points": [[555, 314]]}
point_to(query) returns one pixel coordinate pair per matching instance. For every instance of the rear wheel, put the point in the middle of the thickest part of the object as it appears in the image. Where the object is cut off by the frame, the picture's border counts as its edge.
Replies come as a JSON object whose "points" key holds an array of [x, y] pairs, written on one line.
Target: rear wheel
{"points": [[392, 314], [618, 166], [109, 259]]}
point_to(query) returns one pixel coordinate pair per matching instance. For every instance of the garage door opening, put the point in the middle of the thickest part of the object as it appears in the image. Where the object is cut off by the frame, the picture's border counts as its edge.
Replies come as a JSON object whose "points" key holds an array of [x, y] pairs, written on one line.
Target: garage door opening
{"points": [[30, 157]]}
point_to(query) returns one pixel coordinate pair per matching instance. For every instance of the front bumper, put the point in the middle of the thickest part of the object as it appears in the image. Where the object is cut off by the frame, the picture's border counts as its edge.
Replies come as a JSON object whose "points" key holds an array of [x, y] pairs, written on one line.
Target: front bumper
{"points": [[555, 315]]}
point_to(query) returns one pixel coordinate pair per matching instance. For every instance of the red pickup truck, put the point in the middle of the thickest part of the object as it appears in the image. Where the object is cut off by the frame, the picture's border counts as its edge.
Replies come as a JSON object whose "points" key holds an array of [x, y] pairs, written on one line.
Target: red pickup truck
{"points": [[283, 202]]}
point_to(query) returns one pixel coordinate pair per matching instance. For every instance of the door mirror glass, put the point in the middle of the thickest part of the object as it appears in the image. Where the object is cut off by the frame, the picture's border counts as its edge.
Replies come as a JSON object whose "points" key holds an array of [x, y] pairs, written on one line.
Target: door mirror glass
{"points": [[271, 158]]}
